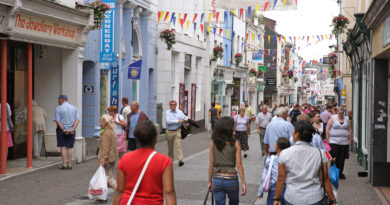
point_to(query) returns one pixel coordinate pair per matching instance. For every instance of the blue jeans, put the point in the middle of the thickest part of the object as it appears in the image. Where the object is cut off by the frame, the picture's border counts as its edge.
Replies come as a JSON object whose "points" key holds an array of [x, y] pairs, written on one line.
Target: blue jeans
{"points": [[318, 203], [271, 194], [223, 187]]}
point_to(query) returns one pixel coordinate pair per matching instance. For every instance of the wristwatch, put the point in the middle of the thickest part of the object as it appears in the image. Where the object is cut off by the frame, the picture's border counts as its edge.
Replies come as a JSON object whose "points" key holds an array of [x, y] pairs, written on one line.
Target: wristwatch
{"points": [[276, 199]]}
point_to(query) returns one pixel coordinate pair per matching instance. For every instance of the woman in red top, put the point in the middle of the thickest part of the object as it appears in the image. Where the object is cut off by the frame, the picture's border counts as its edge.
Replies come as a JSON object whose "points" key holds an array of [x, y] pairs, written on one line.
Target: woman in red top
{"points": [[158, 179]]}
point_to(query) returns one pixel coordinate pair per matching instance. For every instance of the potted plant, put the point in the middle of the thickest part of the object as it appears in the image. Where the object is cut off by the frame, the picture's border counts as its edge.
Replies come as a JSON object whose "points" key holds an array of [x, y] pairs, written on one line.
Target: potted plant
{"points": [[260, 73], [238, 58], [218, 52], [332, 58], [339, 23], [99, 10], [252, 72], [169, 37]]}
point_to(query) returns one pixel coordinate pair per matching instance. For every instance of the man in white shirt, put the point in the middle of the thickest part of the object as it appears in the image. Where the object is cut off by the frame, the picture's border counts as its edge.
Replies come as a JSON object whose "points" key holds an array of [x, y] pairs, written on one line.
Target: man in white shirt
{"points": [[126, 110], [262, 121], [174, 118]]}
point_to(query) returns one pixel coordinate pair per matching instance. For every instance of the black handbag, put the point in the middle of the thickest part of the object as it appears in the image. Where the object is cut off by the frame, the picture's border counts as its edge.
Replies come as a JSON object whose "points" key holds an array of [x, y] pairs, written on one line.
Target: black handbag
{"points": [[207, 197], [326, 200]]}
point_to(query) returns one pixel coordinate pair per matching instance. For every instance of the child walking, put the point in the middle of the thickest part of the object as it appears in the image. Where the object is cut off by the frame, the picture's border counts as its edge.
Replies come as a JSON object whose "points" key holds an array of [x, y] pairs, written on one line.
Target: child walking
{"points": [[281, 144]]}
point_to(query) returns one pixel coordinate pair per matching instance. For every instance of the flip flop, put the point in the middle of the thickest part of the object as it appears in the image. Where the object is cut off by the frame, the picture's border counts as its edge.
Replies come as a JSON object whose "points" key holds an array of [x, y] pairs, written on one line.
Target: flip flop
{"points": [[63, 167], [69, 167]]}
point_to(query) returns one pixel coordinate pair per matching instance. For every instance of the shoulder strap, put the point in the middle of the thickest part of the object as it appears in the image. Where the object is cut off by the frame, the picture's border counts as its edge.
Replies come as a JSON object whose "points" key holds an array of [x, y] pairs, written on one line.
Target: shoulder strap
{"points": [[140, 177], [271, 164], [323, 172]]}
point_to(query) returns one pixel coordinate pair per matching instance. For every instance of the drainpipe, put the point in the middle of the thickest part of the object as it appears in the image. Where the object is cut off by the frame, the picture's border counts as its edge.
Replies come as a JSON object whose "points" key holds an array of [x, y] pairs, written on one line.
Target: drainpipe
{"points": [[120, 52]]}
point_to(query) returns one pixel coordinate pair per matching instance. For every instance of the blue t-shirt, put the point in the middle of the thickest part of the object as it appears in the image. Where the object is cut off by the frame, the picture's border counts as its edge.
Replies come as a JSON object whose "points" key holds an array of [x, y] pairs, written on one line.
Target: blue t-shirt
{"points": [[133, 123]]}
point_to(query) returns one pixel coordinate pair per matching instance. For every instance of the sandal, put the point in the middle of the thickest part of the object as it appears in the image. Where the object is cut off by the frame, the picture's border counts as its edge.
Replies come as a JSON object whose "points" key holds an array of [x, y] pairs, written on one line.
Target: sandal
{"points": [[69, 167], [63, 167]]}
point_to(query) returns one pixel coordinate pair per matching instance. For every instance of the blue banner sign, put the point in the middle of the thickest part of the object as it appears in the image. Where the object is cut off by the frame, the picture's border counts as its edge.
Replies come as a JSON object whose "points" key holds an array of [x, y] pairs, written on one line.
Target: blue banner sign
{"points": [[107, 36], [114, 98], [135, 70], [257, 56]]}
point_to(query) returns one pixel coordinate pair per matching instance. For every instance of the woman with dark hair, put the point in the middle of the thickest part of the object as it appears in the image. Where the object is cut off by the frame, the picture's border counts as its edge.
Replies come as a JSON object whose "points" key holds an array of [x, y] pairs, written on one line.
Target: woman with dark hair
{"points": [[271, 166], [213, 115], [156, 182], [304, 169], [225, 156]]}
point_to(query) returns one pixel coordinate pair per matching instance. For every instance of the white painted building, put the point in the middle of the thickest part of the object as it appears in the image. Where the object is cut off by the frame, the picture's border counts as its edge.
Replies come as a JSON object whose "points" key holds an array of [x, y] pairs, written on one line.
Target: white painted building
{"points": [[183, 72]]}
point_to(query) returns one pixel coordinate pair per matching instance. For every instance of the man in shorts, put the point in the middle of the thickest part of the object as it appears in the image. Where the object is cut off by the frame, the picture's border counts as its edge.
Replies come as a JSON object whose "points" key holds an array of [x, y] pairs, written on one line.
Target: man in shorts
{"points": [[67, 119]]}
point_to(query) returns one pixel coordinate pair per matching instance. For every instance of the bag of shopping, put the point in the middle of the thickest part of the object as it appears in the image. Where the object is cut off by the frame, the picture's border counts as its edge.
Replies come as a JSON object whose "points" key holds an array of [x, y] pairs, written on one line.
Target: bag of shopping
{"points": [[98, 185], [121, 143], [267, 182], [334, 175], [207, 197]]}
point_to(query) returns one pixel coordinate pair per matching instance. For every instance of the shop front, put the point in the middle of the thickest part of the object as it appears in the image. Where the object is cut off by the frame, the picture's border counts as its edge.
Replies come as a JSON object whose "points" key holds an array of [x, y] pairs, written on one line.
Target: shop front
{"points": [[41, 57]]}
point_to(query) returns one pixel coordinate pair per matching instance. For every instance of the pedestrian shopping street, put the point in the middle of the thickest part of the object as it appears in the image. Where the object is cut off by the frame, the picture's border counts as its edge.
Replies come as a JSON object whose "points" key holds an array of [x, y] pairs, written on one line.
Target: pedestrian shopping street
{"points": [[190, 180]]}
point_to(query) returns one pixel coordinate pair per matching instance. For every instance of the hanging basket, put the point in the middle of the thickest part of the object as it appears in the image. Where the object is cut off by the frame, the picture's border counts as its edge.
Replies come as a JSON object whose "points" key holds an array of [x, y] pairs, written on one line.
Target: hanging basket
{"points": [[99, 10]]}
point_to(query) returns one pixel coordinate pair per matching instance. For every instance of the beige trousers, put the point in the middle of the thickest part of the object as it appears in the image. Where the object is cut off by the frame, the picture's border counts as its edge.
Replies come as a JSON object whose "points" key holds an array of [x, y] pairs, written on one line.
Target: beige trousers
{"points": [[174, 136], [109, 168]]}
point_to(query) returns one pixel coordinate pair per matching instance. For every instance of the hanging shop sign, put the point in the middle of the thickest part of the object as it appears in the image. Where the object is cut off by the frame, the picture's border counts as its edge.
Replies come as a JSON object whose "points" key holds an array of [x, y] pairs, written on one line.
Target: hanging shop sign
{"points": [[114, 98], [134, 71], [107, 36], [257, 56], [44, 30]]}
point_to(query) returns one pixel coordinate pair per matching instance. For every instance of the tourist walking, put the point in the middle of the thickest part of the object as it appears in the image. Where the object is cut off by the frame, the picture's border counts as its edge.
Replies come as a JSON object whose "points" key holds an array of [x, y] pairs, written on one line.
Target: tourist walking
{"points": [[174, 119], [262, 121], [295, 113], [9, 129], [67, 119], [249, 111], [119, 128], [271, 166], [326, 115], [243, 130], [126, 110], [157, 181], [225, 157], [317, 124], [134, 118], [278, 127], [304, 169], [108, 153], [339, 136], [213, 115], [39, 118]]}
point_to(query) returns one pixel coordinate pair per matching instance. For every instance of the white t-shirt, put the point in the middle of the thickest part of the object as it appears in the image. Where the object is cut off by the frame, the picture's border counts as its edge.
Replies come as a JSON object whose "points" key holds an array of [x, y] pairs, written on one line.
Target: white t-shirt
{"points": [[118, 128]]}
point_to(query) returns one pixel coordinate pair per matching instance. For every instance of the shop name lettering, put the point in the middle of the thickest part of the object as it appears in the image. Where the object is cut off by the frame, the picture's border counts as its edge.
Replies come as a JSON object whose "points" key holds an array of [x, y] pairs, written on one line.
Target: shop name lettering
{"points": [[41, 26]]}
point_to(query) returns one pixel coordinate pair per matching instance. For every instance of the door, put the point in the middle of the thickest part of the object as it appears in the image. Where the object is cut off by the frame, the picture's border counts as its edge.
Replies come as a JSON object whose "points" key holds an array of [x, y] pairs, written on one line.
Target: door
{"points": [[91, 99], [185, 104]]}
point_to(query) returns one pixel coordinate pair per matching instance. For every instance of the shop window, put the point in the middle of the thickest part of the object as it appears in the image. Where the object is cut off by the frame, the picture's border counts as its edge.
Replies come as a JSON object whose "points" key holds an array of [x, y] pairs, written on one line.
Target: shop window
{"points": [[187, 61]]}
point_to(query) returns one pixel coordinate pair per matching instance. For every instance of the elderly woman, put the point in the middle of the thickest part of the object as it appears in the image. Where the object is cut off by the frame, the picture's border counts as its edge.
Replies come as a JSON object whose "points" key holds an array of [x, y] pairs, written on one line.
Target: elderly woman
{"points": [[304, 168], [225, 155], [339, 136], [108, 154], [119, 125], [158, 179], [242, 128]]}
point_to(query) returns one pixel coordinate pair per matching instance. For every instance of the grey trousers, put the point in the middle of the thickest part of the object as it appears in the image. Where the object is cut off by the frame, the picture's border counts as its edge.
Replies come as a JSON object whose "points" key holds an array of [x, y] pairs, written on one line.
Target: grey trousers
{"points": [[37, 142]]}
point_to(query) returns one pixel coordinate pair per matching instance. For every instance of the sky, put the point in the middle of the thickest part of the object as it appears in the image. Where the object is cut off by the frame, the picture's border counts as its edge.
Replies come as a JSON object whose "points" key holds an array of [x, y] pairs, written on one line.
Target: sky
{"points": [[313, 17]]}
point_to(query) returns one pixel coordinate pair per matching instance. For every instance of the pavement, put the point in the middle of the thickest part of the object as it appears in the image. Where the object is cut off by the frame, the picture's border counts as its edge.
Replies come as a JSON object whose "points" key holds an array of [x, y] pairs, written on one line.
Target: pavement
{"points": [[54, 186]]}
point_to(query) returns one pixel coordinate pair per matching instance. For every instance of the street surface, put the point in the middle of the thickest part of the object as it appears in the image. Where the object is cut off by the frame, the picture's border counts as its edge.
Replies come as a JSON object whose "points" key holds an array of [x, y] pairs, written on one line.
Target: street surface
{"points": [[54, 186]]}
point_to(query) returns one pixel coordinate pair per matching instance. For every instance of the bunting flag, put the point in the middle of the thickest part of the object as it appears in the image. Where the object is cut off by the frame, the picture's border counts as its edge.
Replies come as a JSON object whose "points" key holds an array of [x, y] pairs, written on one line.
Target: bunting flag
{"points": [[266, 5], [233, 34], [227, 33], [284, 2], [275, 1], [249, 11], [220, 31], [308, 38], [269, 39], [290, 39], [275, 38], [185, 17], [246, 38], [280, 38], [179, 16], [195, 16], [166, 16], [326, 36], [215, 30], [253, 36], [201, 18], [160, 13], [241, 10], [284, 38], [174, 21], [201, 28], [208, 29], [210, 15], [295, 39], [331, 36], [188, 23], [216, 17], [322, 37], [233, 12], [194, 27], [172, 17], [257, 9]]}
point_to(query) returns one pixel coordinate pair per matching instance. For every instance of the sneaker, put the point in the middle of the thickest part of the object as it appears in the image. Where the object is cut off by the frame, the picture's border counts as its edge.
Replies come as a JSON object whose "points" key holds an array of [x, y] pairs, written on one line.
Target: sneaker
{"points": [[181, 163], [342, 176]]}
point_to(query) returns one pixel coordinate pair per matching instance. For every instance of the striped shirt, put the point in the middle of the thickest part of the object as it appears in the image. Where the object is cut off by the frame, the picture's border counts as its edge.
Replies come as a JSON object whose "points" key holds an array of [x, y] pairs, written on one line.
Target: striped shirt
{"points": [[302, 163]]}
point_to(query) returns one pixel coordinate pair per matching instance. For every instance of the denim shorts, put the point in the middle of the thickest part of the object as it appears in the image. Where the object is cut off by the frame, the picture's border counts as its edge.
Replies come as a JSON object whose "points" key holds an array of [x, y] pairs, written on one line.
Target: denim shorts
{"points": [[222, 187], [64, 140]]}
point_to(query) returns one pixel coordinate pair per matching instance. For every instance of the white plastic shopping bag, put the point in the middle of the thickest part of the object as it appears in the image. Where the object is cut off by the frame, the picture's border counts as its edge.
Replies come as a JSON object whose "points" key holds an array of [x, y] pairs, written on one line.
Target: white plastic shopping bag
{"points": [[98, 185]]}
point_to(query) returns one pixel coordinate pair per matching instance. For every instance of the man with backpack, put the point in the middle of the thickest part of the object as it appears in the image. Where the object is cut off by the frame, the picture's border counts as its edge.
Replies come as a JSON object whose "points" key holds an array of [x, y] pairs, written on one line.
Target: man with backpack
{"points": [[295, 113]]}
